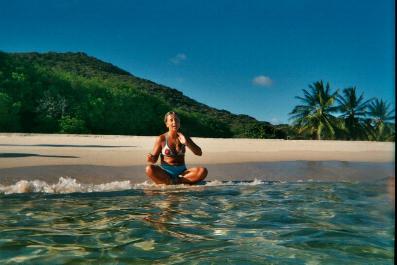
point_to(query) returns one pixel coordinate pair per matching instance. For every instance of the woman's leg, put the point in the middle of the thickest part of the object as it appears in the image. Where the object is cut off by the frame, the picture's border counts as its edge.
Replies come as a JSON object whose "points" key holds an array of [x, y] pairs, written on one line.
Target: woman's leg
{"points": [[158, 175], [194, 175]]}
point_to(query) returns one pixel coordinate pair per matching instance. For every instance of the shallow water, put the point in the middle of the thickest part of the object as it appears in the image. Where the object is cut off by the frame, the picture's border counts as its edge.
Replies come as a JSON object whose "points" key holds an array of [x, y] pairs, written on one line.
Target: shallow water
{"points": [[217, 223]]}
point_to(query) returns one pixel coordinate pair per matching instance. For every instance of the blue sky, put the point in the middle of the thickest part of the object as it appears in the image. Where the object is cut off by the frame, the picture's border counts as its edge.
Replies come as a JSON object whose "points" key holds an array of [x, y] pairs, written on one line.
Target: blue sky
{"points": [[248, 57]]}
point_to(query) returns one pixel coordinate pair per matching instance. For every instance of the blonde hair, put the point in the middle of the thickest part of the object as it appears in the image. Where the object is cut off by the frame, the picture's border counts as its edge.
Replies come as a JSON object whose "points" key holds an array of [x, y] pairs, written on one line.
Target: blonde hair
{"points": [[168, 114]]}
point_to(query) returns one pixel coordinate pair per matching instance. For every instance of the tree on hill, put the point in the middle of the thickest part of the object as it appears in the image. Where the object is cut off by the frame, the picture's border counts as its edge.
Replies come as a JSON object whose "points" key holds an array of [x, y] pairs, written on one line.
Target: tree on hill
{"points": [[76, 93]]}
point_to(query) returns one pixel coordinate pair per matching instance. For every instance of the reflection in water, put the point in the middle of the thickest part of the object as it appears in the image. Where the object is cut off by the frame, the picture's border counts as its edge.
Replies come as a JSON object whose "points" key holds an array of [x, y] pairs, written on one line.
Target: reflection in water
{"points": [[274, 223], [167, 217], [167, 206]]}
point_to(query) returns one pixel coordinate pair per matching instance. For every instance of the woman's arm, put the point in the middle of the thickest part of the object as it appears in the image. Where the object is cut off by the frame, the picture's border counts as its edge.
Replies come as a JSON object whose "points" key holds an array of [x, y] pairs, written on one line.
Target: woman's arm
{"points": [[189, 143], [154, 155]]}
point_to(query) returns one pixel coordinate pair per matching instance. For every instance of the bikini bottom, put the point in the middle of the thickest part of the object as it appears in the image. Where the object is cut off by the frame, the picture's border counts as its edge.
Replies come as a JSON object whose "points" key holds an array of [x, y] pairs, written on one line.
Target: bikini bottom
{"points": [[174, 171]]}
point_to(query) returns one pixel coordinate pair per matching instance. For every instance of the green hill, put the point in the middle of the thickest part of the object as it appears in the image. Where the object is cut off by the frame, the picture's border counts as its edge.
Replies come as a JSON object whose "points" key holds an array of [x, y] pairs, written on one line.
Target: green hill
{"points": [[76, 93]]}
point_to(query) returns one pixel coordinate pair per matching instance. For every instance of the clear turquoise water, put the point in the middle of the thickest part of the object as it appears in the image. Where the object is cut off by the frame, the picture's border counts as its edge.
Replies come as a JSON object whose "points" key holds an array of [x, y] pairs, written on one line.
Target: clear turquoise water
{"points": [[260, 223]]}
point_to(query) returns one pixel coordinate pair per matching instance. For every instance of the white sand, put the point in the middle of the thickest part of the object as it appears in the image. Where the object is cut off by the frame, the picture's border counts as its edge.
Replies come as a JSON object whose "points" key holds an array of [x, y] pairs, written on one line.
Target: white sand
{"points": [[21, 150], [95, 159]]}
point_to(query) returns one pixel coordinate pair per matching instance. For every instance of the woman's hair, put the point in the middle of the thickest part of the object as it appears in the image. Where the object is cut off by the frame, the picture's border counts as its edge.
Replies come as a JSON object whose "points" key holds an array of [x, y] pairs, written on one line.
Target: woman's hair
{"points": [[177, 145], [170, 113]]}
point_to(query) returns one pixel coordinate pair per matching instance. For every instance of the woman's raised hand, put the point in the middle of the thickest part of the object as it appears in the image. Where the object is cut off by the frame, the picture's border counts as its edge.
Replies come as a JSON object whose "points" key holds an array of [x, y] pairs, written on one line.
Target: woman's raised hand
{"points": [[151, 158], [182, 138]]}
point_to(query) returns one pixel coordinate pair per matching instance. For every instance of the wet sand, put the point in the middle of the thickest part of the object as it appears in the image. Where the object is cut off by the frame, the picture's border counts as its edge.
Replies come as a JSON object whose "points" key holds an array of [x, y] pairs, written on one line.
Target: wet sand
{"points": [[101, 159]]}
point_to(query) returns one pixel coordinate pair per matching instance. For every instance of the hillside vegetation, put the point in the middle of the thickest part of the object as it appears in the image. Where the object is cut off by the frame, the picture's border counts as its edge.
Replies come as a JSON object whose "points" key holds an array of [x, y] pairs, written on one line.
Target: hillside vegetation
{"points": [[76, 93]]}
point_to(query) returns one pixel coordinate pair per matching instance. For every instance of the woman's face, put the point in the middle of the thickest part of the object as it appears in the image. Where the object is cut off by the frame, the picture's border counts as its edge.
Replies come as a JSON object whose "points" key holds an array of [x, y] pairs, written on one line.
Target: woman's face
{"points": [[173, 123]]}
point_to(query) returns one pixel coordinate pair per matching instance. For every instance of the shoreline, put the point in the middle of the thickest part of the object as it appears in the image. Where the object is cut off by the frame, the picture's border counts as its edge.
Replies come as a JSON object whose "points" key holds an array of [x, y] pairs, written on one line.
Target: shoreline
{"points": [[266, 171], [106, 158]]}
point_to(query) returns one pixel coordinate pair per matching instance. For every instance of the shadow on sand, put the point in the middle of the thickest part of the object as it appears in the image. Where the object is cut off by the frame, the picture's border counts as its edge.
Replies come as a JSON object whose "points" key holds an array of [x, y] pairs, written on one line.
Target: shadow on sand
{"points": [[14, 155], [69, 145]]}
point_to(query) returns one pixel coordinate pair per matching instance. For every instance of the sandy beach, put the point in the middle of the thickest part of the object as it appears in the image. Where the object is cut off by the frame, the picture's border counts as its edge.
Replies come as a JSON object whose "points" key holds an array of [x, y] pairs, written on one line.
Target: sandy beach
{"points": [[103, 158]]}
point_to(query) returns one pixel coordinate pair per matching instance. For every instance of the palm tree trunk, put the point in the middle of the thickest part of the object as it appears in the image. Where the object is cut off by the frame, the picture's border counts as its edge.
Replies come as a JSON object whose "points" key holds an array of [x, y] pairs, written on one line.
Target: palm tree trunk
{"points": [[319, 130]]}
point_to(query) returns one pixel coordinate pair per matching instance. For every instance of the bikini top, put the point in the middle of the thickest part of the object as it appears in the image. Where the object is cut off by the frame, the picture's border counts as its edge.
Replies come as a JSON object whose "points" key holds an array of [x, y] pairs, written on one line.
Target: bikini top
{"points": [[167, 151]]}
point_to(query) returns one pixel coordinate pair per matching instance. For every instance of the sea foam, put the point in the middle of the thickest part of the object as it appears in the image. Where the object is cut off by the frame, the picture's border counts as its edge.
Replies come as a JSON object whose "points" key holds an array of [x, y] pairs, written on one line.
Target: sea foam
{"points": [[71, 185]]}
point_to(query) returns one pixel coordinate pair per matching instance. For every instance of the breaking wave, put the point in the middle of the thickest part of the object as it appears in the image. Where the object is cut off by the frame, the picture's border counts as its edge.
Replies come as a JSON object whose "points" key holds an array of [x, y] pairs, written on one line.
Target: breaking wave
{"points": [[71, 185]]}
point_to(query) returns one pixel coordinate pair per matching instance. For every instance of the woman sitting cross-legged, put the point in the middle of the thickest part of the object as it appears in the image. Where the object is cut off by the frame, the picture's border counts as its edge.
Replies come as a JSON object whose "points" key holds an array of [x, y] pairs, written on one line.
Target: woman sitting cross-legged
{"points": [[171, 147]]}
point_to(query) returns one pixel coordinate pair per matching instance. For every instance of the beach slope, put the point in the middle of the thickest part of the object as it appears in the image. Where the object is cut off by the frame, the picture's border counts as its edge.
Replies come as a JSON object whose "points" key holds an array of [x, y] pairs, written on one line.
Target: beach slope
{"points": [[104, 158]]}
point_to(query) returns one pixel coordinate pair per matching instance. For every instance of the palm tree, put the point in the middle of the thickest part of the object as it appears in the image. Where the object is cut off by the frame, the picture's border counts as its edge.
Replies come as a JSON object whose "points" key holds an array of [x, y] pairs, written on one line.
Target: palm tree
{"points": [[381, 117], [353, 111], [314, 116]]}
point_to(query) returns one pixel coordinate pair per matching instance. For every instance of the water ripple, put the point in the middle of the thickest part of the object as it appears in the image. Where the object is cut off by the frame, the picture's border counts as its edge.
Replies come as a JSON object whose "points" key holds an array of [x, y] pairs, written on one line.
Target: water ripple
{"points": [[274, 223]]}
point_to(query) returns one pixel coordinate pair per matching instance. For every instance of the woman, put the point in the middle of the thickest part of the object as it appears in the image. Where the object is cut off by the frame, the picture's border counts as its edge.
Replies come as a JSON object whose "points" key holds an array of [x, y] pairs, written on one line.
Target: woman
{"points": [[170, 146]]}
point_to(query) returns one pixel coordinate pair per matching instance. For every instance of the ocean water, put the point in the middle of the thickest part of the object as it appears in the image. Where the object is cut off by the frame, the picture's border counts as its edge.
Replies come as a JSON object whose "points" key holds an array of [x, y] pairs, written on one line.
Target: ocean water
{"points": [[257, 222]]}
